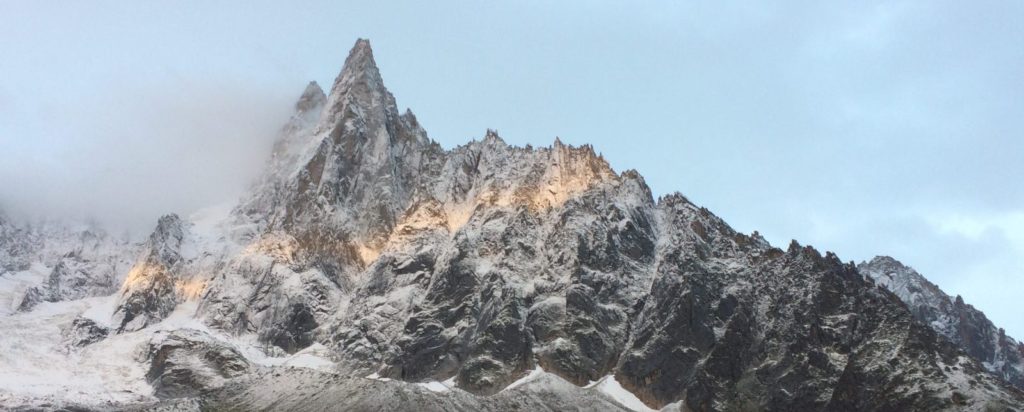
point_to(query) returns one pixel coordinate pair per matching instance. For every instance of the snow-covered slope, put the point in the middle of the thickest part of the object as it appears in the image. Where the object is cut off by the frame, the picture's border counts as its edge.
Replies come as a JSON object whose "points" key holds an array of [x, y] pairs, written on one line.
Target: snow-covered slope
{"points": [[369, 268], [955, 320], [38, 364], [74, 260]]}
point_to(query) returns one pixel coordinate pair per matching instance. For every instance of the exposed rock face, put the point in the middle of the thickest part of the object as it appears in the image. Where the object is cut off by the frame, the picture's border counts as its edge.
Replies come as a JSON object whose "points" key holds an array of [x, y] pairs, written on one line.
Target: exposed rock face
{"points": [[17, 246], [32, 297], [80, 260], [956, 321], [478, 264], [484, 261], [93, 267], [150, 291], [188, 362], [84, 331]]}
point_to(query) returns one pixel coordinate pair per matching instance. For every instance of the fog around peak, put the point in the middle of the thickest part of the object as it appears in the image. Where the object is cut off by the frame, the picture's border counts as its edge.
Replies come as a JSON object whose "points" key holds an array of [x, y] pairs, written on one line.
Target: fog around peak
{"points": [[876, 128], [127, 157]]}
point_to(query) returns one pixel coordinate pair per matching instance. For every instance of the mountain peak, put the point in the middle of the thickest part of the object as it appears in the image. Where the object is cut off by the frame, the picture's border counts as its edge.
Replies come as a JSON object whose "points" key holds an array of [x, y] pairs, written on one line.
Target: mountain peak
{"points": [[359, 67], [388, 260], [312, 96], [359, 89], [361, 55], [885, 260], [951, 317], [362, 45]]}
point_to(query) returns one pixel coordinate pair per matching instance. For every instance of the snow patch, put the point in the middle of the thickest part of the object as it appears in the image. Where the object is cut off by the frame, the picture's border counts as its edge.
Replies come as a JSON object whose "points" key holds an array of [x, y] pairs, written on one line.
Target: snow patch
{"points": [[13, 286], [434, 386], [376, 377], [533, 375], [611, 387], [35, 364], [313, 357], [101, 309], [207, 221], [305, 360]]}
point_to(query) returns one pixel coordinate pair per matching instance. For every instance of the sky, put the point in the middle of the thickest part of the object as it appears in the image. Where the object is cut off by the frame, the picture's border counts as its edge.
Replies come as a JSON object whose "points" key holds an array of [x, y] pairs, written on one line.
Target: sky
{"points": [[875, 128]]}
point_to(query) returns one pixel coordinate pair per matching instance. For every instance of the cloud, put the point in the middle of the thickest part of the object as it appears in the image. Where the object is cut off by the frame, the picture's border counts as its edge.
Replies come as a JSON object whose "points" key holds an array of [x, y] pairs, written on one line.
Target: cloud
{"points": [[140, 151]]}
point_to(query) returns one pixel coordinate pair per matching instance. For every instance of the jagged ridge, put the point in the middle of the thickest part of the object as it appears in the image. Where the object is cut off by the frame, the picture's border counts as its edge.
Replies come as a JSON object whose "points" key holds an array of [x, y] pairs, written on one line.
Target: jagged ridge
{"points": [[955, 320], [486, 260], [483, 262]]}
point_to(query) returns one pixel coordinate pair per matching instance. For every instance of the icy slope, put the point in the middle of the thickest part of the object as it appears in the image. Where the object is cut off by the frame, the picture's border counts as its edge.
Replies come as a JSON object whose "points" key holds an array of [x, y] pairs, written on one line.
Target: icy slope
{"points": [[37, 363]]}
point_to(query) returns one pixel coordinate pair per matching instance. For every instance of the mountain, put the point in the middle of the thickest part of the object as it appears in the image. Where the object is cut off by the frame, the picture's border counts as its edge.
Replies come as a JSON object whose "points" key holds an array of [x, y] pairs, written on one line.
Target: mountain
{"points": [[50, 261], [955, 320], [370, 268]]}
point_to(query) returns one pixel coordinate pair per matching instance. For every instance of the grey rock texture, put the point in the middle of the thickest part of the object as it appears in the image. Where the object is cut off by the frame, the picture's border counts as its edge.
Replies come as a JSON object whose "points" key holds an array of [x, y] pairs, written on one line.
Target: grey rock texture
{"points": [[17, 245], [474, 265], [84, 331], [92, 267], [186, 363], [307, 390], [80, 260], [481, 262], [150, 291], [951, 318]]}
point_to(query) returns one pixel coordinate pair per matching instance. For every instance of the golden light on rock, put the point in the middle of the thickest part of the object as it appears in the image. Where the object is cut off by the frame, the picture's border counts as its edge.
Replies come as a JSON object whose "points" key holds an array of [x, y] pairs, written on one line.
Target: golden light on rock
{"points": [[134, 278], [367, 254], [280, 247], [190, 289]]}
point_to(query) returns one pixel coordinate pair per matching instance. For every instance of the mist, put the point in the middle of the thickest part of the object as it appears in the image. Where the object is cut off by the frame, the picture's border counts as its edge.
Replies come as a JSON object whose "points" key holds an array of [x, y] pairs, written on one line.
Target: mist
{"points": [[125, 158], [882, 128]]}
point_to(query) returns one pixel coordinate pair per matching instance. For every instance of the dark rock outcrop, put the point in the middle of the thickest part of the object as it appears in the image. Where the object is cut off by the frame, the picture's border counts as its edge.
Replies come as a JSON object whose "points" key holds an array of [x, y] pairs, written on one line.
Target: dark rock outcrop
{"points": [[150, 290], [479, 263], [951, 318], [84, 331], [82, 259], [473, 266], [188, 363]]}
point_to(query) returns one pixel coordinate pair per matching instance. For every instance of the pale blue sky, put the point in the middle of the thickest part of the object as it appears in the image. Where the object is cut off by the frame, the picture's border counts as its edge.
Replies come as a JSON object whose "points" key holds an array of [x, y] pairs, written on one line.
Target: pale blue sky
{"points": [[878, 128]]}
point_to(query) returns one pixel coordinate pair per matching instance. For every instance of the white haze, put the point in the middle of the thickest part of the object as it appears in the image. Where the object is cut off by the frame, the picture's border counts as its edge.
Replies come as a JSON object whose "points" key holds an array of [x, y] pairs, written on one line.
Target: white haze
{"points": [[126, 158]]}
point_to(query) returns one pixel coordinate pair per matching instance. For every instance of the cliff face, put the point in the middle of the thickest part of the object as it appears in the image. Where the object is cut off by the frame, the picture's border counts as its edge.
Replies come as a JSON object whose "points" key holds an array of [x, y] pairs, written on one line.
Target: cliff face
{"points": [[73, 261], [951, 318], [537, 277], [151, 288], [481, 263]]}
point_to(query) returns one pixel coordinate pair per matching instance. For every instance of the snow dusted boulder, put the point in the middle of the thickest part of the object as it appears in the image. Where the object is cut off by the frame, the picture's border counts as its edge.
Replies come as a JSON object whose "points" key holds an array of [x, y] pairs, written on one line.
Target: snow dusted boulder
{"points": [[84, 331], [32, 297], [189, 362]]}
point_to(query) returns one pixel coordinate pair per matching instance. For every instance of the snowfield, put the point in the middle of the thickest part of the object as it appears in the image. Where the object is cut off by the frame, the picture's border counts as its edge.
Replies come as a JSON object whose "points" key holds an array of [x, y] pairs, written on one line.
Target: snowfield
{"points": [[38, 366], [35, 363]]}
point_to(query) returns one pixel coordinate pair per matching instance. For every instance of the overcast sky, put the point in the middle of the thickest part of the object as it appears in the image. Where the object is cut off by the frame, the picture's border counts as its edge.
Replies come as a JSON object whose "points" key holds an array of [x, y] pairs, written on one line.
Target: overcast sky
{"points": [[888, 127]]}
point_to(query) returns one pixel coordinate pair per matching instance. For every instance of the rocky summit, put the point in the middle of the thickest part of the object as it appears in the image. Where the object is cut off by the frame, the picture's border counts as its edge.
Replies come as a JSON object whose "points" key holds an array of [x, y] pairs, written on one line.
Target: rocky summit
{"points": [[953, 319], [369, 268]]}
